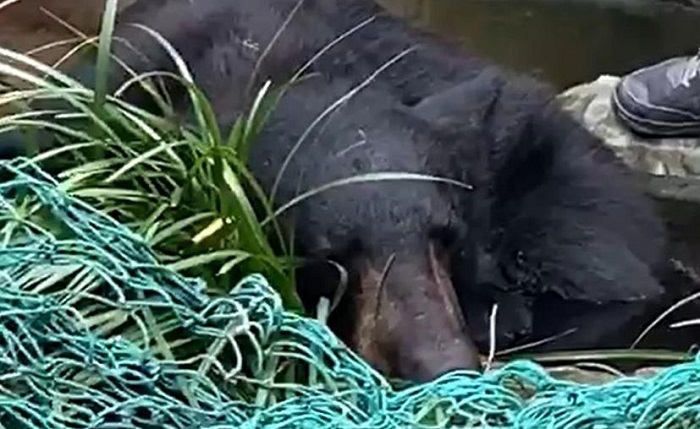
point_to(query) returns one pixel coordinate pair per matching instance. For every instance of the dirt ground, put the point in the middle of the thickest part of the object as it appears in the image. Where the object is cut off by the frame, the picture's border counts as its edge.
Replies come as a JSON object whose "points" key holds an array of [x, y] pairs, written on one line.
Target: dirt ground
{"points": [[25, 25]]}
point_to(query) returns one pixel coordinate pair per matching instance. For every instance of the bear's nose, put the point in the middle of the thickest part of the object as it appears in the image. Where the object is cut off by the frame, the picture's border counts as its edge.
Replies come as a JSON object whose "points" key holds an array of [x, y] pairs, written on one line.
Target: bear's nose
{"points": [[410, 322]]}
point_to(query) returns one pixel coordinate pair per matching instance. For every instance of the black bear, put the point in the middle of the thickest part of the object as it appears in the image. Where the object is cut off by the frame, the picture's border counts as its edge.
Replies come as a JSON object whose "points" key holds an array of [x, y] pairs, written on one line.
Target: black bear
{"points": [[531, 213]]}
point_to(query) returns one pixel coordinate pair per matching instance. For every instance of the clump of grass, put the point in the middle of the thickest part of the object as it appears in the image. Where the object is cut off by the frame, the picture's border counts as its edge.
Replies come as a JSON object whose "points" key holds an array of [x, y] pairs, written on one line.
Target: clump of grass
{"points": [[185, 189]]}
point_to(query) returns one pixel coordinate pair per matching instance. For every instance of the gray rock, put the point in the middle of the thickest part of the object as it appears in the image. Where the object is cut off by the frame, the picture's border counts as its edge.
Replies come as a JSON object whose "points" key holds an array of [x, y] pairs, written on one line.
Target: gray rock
{"points": [[679, 159]]}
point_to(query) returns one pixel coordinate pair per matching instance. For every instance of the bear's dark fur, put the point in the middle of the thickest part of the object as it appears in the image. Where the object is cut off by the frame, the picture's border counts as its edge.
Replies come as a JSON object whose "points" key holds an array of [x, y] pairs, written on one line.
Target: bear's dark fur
{"points": [[552, 230]]}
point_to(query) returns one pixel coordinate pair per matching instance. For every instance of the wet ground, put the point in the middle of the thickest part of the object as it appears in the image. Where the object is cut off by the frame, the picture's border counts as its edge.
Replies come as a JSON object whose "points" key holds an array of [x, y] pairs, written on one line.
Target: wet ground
{"points": [[563, 41], [568, 42]]}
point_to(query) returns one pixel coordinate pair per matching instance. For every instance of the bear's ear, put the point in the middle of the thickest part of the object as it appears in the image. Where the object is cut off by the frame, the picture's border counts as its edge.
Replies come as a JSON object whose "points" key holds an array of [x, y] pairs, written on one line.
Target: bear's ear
{"points": [[466, 105]]}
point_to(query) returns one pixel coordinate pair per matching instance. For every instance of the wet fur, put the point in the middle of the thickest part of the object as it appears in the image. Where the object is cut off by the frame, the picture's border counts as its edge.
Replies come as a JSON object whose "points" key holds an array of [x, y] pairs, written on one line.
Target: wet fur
{"points": [[552, 223]]}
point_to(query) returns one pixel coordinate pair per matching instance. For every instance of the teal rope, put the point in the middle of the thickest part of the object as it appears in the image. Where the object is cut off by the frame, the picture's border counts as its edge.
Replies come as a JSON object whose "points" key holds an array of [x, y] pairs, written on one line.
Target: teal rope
{"points": [[58, 370]]}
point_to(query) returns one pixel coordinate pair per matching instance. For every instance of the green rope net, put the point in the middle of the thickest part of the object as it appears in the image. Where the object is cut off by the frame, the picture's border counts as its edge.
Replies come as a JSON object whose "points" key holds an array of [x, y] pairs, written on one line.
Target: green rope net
{"points": [[185, 359]]}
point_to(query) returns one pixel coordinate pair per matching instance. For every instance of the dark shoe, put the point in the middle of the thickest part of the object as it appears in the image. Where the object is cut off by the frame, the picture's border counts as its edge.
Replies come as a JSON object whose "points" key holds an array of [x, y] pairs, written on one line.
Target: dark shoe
{"points": [[662, 100]]}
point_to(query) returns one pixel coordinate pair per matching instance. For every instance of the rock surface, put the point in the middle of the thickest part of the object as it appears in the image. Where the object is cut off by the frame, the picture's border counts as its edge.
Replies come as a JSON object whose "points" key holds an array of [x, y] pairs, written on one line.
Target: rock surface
{"points": [[672, 166]]}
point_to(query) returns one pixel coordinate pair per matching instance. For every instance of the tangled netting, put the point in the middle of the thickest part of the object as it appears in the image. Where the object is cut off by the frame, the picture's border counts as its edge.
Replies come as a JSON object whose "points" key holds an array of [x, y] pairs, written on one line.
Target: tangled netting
{"points": [[184, 359]]}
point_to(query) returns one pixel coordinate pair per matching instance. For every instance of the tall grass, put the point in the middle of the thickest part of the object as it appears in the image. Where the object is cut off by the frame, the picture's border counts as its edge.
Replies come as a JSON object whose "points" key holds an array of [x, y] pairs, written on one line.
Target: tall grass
{"points": [[185, 189]]}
